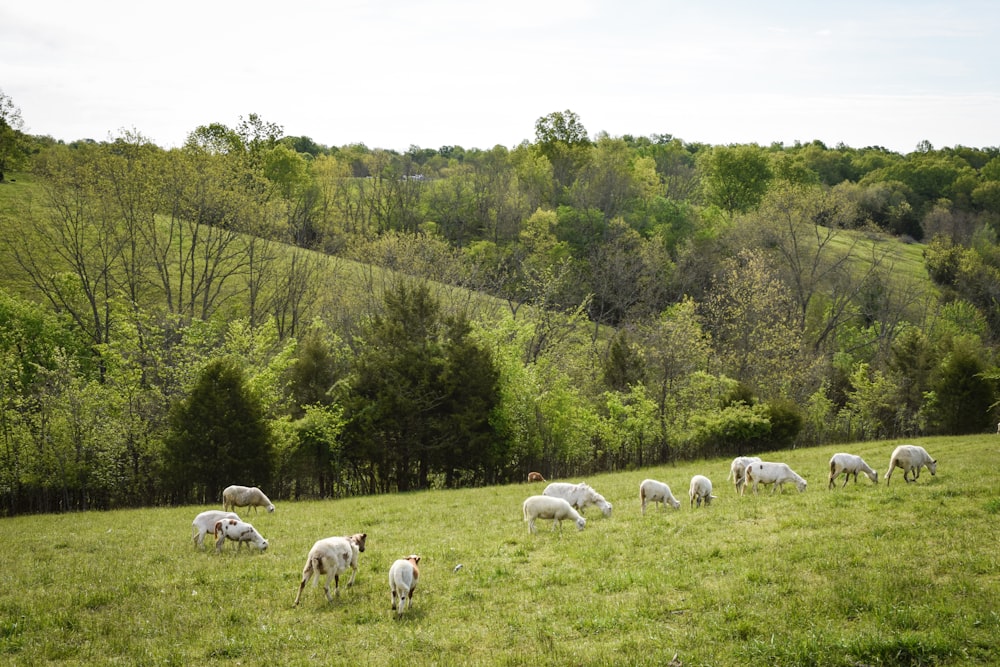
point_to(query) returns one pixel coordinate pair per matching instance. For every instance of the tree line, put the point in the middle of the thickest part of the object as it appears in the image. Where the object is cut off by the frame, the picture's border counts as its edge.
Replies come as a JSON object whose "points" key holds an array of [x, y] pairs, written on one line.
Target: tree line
{"points": [[326, 321]]}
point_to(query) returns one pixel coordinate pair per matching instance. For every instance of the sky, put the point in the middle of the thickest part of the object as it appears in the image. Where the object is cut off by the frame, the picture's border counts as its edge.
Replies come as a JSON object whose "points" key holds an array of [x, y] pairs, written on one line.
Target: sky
{"points": [[439, 73]]}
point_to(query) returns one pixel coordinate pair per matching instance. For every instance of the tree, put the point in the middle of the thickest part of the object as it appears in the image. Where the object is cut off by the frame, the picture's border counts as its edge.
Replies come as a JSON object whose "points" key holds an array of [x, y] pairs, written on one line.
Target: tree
{"points": [[12, 153], [562, 138], [750, 314], [735, 178], [963, 395], [421, 397], [819, 260], [217, 435]]}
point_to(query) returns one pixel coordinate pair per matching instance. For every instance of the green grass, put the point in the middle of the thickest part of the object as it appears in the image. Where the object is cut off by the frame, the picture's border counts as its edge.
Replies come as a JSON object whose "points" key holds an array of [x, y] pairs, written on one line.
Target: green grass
{"points": [[866, 575]]}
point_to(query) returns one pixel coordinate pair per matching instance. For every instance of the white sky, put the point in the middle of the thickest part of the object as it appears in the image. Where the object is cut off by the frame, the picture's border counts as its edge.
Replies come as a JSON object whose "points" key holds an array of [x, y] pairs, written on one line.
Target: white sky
{"points": [[458, 72]]}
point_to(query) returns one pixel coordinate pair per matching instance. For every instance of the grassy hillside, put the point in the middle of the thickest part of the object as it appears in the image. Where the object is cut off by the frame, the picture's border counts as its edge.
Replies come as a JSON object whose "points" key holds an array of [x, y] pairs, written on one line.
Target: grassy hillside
{"points": [[866, 575]]}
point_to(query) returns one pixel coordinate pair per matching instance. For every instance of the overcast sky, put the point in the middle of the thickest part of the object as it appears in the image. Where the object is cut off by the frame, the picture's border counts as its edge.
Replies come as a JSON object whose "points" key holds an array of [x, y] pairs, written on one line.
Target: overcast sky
{"points": [[476, 74]]}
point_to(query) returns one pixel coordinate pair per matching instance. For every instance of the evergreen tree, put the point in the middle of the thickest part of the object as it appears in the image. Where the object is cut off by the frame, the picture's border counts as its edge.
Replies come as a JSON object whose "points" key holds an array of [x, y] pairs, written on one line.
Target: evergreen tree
{"points": [[218, 436], [421, 398], [963, 395]]}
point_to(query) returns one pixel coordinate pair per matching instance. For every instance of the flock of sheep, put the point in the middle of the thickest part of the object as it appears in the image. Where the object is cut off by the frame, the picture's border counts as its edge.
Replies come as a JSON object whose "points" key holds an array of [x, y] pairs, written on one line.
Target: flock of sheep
{"points": [[331, 556], [559, 501]]}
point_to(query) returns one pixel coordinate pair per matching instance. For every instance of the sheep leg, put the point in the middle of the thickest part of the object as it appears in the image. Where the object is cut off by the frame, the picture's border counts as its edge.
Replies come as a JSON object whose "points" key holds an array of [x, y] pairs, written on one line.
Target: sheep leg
{"points": [[531, 525], [847, 476], [326, 588], [354, 571], [305, 579], [392, 593]]}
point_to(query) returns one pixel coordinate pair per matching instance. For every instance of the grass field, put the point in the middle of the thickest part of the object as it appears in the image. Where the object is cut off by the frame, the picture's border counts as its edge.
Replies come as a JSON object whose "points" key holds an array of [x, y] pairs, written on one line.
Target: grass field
{"points": [[866, 575]]}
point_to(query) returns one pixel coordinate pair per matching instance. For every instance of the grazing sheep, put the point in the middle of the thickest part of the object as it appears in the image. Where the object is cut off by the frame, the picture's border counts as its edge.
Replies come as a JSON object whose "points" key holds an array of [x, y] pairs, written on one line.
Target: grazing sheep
{"points": [[764, 472], [911, 458], [550, 507], [238, 531], [403, 581], [535, 477], [737, 471], [849, 464], [332, 556], [651, 490], [204, 524], [245, 496], [578, 495], [701, 489]]}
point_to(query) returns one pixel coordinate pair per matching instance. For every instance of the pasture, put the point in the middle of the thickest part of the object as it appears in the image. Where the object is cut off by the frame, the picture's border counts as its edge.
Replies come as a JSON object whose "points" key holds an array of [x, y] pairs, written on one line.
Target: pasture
{"points": [[865, 575]]}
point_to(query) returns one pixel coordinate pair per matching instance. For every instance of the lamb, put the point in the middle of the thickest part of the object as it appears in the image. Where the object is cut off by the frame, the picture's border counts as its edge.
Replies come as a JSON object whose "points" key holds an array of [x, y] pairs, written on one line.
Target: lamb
{"points": [[737, 471], [849, 464], [550, 507], [238, 531], [701, 489], [535, 477], [578, 495], [403, 581], [911, 458], [764, 472], [204, 524], [245, 496], [651, 490], [332, 556]]}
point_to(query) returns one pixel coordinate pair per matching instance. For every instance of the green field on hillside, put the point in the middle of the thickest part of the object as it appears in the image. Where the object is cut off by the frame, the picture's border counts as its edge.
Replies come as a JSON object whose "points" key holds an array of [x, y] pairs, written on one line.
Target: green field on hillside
{"points": [[907, 574]]}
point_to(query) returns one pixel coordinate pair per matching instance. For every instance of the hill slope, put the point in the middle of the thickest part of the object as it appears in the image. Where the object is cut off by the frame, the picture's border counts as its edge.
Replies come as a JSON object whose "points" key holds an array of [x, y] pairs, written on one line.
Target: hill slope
{"points": [[905, 575]]}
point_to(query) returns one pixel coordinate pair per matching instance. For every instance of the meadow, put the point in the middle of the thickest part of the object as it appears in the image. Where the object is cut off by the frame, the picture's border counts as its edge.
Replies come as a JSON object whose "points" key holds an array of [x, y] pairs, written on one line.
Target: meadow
{"points": [[865, 575]]}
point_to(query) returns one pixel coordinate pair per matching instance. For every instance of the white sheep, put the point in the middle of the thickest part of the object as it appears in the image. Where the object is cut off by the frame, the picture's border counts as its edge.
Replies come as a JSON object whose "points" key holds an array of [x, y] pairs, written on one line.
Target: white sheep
{"points": [[701, 489], [238, 531], [245, 496], [204, 524], [911, 458], [403, 576], [578, 495], [765, 472], [332, 556], [737, 471], [849, 464], [550, 507], [653, 491]]}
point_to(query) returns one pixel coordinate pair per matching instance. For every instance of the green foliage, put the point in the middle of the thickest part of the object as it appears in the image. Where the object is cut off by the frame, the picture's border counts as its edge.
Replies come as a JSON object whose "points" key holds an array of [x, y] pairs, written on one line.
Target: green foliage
{"points": [[725, 264], [420, 398], [869, 409], [964, 395], [622, 367], [218, 436], [735, 429], [735, 178]]}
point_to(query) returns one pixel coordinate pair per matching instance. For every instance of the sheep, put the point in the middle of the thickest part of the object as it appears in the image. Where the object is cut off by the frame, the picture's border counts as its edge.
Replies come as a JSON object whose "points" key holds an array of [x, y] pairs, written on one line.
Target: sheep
{"points": [[245, 496], [403, 576], [332, 556], [550, 507], [238, 531], [701, 489], [911, 458], [849, 464], [205, 522], [578, 495], [535, 477], [737, 471], [764, 472], [651, 490]]}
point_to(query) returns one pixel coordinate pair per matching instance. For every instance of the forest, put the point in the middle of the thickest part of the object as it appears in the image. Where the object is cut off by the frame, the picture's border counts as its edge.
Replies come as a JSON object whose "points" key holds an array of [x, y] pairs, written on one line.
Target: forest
{"points": [[324, 321]]}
